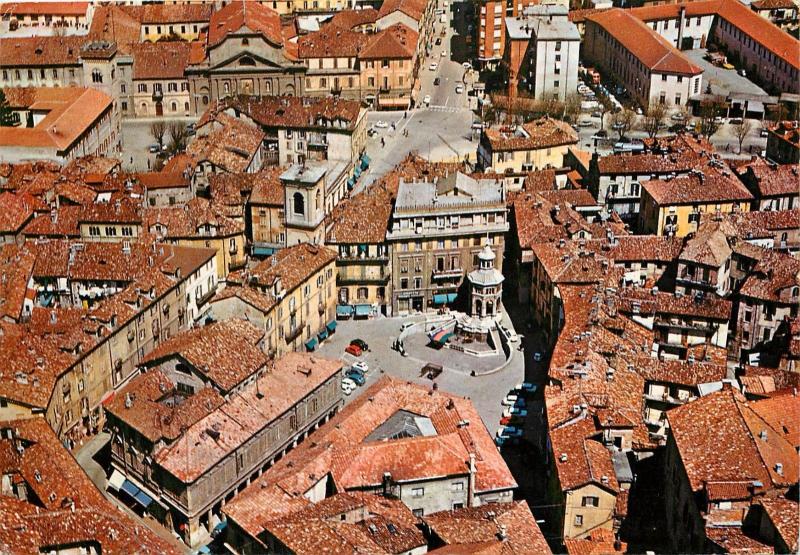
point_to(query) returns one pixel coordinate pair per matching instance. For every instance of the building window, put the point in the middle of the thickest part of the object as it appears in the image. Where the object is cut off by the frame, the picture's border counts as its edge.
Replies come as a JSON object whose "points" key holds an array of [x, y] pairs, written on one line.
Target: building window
{"points": [[142, 87], [590, 501], [97, 76], [417, 492], [458, 486], [579, 520], [418, 512], [299, 204]]}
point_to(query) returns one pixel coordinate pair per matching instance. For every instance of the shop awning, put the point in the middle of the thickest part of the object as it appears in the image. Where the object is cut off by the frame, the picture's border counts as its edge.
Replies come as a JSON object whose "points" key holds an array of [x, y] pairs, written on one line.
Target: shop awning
{"points": [[363, 310], [138, 495], [357, 172], [351, 182], [263, 251], [331, 326], [365, 161], [439, 299], [116, 480], [311, 344], [323, 335], [451, 297], [344, 311], [442, 336], [46, 299]]}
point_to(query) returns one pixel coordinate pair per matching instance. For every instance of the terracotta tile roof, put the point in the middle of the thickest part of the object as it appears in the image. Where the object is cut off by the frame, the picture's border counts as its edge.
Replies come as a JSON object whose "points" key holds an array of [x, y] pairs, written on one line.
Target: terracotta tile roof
{"points": [[189, 220], [652, 50], [70, 113], [255, 17], [476, 525], [297, 113], [231, 144], [631, 248], [250, 295], [743, 447], [267, 188], [586, 461], [330, 42], [160, 60], [679, 371], [75, 511], [363, 218], [21, 9], [782, 412], [291, 378], [667, 304], [226, 352], [169, 13], [340, 448], [40, 51], [771, 276], [599, 542], [731, 539], [575, 197], [395, 42], [759, 29], [757, 385], [412, 8], [773, 4], [772, 180], [293, 266], [162, 180], [112, 23], [16, 211], [704, 186], [16, 267], [783, 513], [537, 134], [350, 19]]}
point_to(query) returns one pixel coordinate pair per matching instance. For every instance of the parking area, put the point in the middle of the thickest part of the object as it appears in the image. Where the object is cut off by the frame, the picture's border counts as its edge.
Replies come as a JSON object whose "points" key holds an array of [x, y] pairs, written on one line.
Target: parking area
{"points": [[136, 138], [723, 81], [485, 391]]}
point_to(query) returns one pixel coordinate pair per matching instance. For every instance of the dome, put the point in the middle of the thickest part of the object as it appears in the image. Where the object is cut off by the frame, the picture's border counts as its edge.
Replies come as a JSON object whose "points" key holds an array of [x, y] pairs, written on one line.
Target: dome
{"points": [[487, 253]]}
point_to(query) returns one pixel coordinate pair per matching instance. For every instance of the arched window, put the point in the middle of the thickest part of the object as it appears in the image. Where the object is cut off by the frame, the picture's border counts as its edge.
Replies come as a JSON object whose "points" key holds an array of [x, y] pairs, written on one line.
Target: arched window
{"points": [[174, 106], [299, 204], [317, 200], [205, 100], [245, 41], [97, 76]]}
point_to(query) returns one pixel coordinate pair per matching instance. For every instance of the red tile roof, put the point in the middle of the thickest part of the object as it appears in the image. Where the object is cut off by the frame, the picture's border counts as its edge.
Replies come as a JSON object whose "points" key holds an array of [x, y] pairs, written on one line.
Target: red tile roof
{"points": [[21, 9], [477, 525], [785, 517], [412, 8], [581, 461], [782, 412], [252, 15], [160, 60], [742, 447], [40, 51], [737, 14], [650, 48], [395, 42], [169, 13], [16, 211], [600, 541], [537, 134], [708, 186]]}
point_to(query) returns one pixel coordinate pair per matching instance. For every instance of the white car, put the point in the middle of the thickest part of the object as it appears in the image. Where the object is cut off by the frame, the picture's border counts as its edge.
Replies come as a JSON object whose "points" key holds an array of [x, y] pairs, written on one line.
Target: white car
{"points": [[348, 386], [427, 102], [537, 357], [459, 89], [466, 65], [360, 365], [585, 123], [515, 411], [434, 66], [443, 54], [380, 124], [406, 325], [510, 400]]}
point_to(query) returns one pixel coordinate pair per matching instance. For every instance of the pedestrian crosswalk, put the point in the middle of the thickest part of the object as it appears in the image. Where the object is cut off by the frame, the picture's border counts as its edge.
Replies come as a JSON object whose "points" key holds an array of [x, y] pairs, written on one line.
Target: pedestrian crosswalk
{"points": [[448, 109]]}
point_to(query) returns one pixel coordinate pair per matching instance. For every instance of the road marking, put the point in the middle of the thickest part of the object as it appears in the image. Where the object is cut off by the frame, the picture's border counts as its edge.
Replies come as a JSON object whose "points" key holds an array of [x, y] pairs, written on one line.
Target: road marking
{"points": [[447, 100]]}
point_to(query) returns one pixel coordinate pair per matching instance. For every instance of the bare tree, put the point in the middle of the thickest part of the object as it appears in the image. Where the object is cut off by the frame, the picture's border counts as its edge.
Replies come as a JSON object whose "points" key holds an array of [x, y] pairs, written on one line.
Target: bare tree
{"points": [[708, 117], [157, 130], [654, 118], [605, 106], [177, 137], [572, 107], [623, 122], [741, 130]]}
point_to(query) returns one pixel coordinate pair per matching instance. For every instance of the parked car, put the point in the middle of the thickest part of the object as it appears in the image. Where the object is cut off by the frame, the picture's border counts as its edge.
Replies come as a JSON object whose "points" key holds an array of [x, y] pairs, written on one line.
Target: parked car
{"points": [[512, 421], [510, 400], [505, 440], [356, 377], [515, 411], [427, 100], [735, 121], [437, 81], [459, 88], [512, 337], [601, 134], [678, 116], [438, 41], [520, 403], [361, 366], [153, 148], [434, 66], [466, 65], [764, 132], [353, 350], [348, 386], [511, 431], [537, 357], [360, 343], [597, 114], [526, 387], [380, 124], [585, 123], [617, 126], [405, 325]]}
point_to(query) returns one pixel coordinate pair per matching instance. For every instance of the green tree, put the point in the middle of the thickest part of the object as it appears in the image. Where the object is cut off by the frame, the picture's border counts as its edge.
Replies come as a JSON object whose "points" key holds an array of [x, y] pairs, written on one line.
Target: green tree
{"points": [[6, 114]]}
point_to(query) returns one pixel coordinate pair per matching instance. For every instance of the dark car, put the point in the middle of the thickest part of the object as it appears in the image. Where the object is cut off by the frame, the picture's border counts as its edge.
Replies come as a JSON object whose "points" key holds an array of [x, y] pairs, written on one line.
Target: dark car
{"points": [[356, 376], [438, 41], [437, 81], [360, 343]]}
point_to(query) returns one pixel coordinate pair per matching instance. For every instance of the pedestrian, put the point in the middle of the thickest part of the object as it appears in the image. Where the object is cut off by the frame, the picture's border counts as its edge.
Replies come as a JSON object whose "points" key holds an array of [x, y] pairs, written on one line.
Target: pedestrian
{"points": [[148, 163], [131, 160]]}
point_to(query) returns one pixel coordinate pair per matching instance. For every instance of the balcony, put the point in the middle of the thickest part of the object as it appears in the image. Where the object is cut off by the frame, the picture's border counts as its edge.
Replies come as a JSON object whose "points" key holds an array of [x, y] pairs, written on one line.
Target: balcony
{"points": [[203, 299], [295, 333], [157, 95], [666, 398], [678, 324], [448, 274]]}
